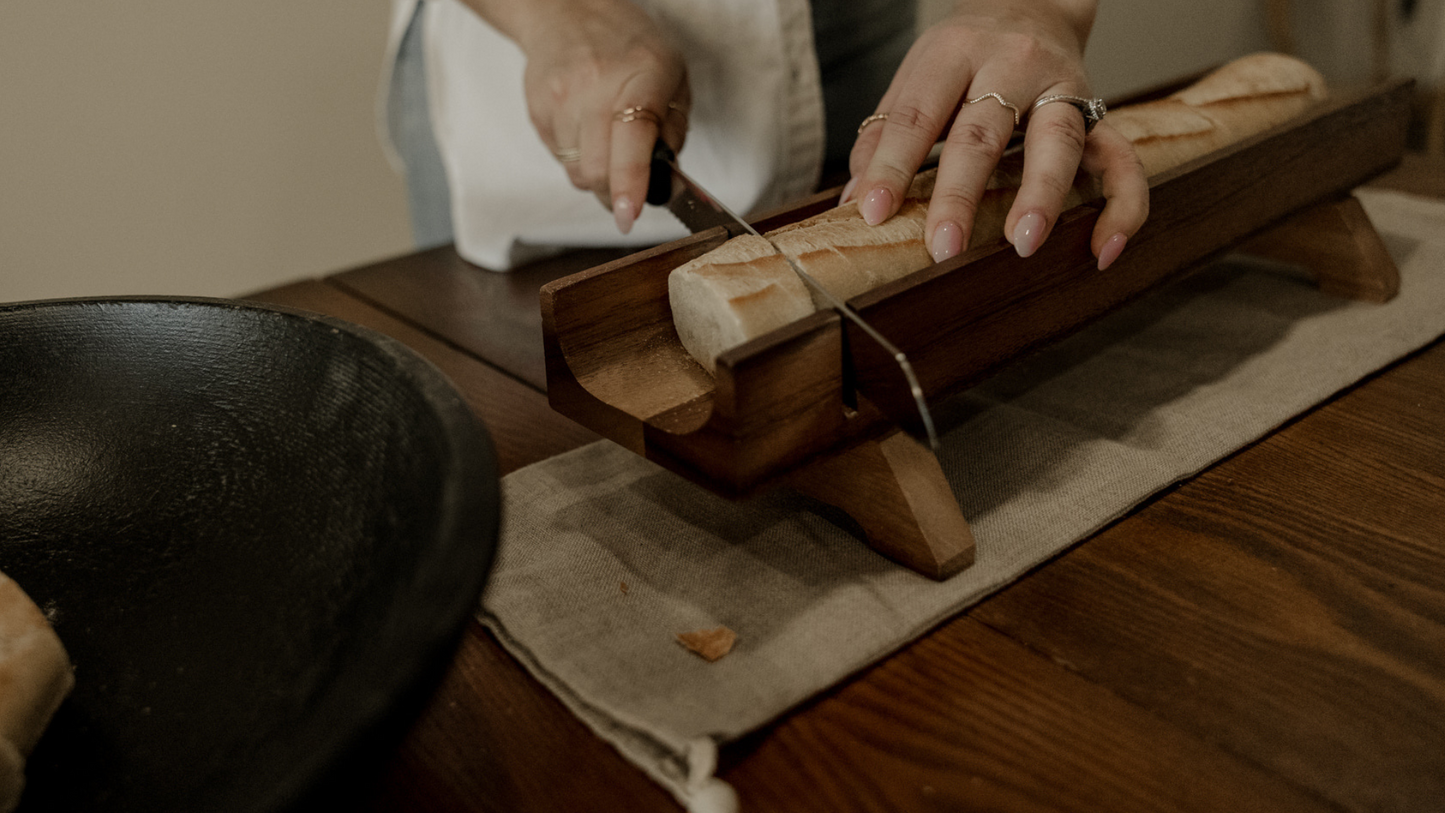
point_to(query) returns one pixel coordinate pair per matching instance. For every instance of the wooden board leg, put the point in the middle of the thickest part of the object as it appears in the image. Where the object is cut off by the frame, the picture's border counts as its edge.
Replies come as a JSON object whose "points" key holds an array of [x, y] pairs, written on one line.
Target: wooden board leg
{"points": [[1337, 243], [894, 488]]}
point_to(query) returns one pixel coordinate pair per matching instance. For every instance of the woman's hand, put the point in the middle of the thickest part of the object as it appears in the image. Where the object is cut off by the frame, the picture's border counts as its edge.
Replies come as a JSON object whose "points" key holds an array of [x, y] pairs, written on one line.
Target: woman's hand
{"points": [[1021, 50], [602, 84]]}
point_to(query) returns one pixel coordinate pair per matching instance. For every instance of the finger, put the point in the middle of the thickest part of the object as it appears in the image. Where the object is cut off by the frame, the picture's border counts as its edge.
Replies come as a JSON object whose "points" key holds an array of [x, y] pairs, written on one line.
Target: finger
{"points": [[917, 116], [642, 108], [1053, 149], [870, 131], [1111, 157], [634, 132], [972, 149], [675, 120], [594, 140]]}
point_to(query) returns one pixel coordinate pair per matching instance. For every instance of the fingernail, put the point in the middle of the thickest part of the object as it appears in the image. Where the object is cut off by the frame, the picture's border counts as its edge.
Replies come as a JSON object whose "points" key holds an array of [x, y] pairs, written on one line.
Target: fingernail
{"points": [[947, 241], [1029, 233], [1111, 250], [625, 214], [876, 207], [848, 191]]}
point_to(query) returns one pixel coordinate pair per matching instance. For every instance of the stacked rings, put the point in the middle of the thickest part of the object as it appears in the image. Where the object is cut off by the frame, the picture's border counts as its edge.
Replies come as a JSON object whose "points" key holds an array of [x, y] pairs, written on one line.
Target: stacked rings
{"points": [[1093, 109], [637, 112], [569, 155], [996, 97]]}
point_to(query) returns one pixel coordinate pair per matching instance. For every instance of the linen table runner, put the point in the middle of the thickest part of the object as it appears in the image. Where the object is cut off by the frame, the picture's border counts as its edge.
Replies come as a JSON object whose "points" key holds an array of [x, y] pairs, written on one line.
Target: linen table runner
{"points": [[605, 557]]}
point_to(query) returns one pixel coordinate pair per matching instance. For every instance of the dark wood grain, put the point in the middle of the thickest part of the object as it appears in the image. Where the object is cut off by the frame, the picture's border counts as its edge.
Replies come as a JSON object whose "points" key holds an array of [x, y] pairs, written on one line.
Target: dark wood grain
{"points": [[492, 315], [1288, 604], [896, 491], [1335, 242], [495, 740], [612, 355], [523, 428], [969, 720], [1418, 174]]}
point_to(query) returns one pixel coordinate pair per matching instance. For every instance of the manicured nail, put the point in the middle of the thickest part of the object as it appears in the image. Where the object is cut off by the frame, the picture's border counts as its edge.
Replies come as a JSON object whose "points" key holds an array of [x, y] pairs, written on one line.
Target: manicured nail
{"points": [[624, 212], [1029, 233], [848, 191], [947, 241], [1111, 250], [877, 206]]}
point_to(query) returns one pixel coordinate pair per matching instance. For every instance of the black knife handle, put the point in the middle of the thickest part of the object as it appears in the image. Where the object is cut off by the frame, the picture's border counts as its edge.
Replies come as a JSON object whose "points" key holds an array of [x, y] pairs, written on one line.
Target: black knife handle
{"points": [[659, 180]]}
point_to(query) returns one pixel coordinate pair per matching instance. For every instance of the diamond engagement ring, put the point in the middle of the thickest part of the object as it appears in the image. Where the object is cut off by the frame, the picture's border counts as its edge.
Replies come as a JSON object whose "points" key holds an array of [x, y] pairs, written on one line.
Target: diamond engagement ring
{"points": [[1093, 109]]}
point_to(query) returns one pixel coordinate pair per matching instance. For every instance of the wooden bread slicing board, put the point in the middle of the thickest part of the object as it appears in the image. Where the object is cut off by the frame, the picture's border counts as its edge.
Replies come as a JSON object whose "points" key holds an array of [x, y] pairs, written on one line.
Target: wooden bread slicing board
{"points": [[779, 408]]}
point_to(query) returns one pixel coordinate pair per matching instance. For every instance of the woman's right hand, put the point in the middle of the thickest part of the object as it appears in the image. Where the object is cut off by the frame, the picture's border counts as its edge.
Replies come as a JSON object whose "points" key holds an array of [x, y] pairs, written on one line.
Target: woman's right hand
{"points": [[590, 62]]}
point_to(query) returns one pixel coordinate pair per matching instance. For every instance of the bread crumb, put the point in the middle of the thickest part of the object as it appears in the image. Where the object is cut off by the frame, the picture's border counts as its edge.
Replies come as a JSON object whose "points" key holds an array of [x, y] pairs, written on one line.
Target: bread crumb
{"points": [[709, 644]]}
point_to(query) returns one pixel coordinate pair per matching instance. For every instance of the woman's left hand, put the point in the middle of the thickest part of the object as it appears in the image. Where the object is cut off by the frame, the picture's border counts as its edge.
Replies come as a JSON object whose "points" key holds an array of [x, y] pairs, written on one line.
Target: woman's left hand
{"points": [[1022, 51]]}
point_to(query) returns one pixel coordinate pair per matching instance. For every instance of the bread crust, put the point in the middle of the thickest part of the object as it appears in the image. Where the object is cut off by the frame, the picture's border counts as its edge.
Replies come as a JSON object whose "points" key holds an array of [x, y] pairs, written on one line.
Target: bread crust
{"points": [[848, 257]]}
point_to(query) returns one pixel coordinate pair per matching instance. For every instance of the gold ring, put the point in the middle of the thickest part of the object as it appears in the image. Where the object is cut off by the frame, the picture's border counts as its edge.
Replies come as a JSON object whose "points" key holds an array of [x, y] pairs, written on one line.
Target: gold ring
{"points": [[674, 107], [569, 155], [998, 99], [637, 112], [871, 119]]}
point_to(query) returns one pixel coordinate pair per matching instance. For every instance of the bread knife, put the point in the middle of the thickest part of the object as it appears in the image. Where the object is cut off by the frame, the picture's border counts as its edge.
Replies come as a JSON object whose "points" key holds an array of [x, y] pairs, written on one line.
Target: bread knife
{"points": [[669, 186]]}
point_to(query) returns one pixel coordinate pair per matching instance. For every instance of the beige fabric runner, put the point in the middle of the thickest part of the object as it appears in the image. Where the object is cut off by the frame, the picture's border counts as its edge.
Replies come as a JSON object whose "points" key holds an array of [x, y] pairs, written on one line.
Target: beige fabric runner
{"points": [[606, 557]]}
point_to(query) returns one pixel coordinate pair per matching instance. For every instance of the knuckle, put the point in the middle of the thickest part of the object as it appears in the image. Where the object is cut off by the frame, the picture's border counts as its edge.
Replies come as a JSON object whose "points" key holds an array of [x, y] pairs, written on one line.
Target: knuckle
{"points": [[949, 201], [1031, 50], [977, 139], [1067, 130], [589, 176], [911, 117], [1052, 185], [894, 178], [641, 59], [543, 125]]}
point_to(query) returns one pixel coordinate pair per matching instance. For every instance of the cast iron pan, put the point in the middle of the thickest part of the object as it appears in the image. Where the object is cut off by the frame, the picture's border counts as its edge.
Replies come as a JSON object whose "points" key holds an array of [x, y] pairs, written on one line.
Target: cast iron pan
{"points": [[258, 533]]}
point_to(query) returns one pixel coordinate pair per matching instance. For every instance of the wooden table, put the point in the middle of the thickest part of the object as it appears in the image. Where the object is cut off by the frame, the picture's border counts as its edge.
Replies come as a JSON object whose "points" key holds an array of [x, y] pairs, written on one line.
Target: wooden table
{"points": [[1269, 635]]}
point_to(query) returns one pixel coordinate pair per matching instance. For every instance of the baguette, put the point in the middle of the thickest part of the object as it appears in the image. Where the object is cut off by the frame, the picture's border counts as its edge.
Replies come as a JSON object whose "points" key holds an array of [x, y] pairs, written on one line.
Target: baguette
{"points": [[743, 289], [35, 677]]}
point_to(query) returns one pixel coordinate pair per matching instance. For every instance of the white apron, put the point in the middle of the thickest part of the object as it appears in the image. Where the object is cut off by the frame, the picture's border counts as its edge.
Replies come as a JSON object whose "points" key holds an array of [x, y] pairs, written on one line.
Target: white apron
{"points": [[756, 138]]}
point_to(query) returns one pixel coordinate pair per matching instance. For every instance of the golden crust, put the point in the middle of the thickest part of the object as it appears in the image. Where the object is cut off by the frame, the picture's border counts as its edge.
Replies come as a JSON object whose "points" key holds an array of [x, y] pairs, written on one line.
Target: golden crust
{"points": [[849, 257]]}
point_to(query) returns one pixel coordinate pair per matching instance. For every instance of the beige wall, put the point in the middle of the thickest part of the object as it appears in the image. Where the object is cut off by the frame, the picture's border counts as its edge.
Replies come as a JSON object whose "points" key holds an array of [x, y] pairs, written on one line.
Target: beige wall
{"points": [[1140, 43], [183, 147], [216, 148]]}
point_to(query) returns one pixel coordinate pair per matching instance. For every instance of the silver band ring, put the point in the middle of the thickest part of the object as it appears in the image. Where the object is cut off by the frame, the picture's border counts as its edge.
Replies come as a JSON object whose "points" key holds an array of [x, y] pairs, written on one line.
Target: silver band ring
{"points": [[569, 155], [637, 112], [1000, 100], [1093, 109], [871, 119]]}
